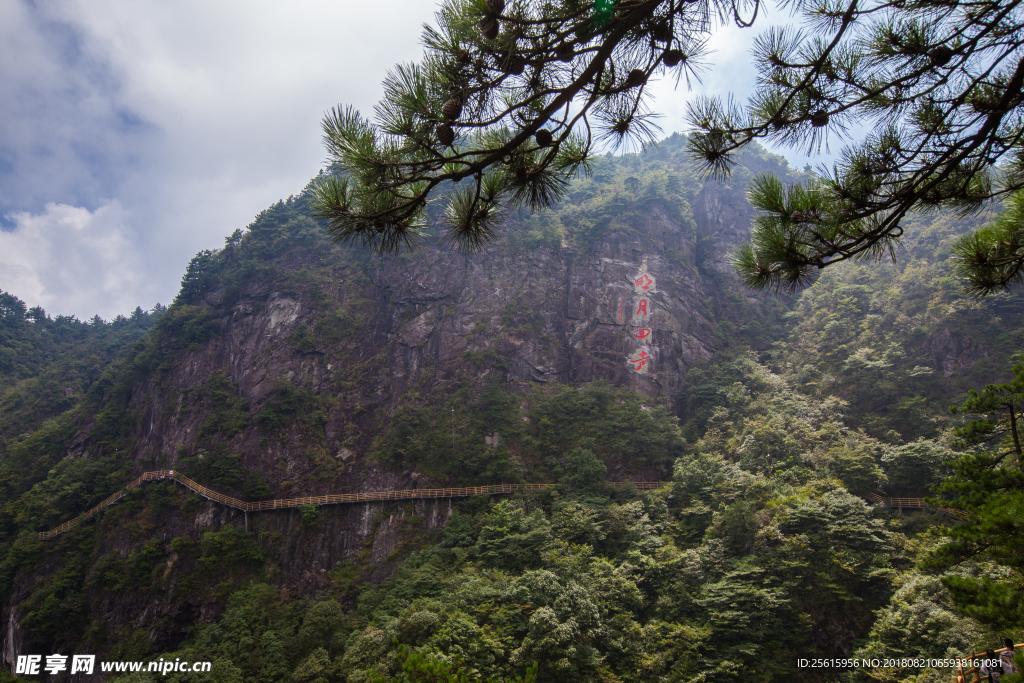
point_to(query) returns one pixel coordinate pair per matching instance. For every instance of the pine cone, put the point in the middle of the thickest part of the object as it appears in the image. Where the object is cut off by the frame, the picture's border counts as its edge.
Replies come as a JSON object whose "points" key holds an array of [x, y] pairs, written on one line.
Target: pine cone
{"points": [[564, 52], [672, 57], [983, 104], [445, 135], [634, 78], [941, 55], [543, 137], [489, 28], [452, 109], [819, 119], [661, 33], [513, 64], [495, 7]]}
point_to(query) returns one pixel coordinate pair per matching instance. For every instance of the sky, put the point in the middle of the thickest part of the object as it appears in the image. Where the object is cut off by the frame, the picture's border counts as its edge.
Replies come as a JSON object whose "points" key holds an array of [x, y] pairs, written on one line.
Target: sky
{"points": [[135, 133]]}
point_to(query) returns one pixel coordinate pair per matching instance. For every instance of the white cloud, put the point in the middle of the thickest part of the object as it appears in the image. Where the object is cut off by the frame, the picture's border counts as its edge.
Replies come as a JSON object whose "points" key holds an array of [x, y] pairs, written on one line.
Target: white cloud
{"points": [[71, 258], [195, 116], [67, 136]]}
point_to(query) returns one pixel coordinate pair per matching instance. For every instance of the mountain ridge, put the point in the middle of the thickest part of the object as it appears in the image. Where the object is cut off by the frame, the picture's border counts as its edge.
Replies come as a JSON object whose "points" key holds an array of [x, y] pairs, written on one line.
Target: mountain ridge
{"points": [[291, 366]]}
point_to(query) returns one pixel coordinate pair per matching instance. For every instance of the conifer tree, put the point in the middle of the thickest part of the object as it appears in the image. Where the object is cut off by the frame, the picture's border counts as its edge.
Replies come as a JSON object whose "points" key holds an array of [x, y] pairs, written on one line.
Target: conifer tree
{"points": [[992, 258], [939, 85], [510, 100], [988, 487], [514, 97]]}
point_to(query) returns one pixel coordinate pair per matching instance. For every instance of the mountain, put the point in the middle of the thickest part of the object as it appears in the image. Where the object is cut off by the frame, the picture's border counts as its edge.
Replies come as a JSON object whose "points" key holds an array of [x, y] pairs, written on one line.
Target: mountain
{"points": [[605, 338]]}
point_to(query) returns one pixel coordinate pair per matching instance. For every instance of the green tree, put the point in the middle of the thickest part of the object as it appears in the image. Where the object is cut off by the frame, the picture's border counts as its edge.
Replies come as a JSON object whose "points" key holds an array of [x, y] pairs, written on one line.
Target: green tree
{"points": [[992, 258], [914, 468], [988, 486], [857, 467], [512, 538], [584, 472], [577, 523], [920, 621], [940, 87], [316, 668], [423, 667], [515, 97], [1001, 407], [320, 625], [749, 626], [274, 665]]}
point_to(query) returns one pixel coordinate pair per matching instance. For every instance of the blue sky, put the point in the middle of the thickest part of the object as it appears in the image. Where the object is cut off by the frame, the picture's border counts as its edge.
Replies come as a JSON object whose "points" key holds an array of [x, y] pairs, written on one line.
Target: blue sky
{"points": [[136, 132]]}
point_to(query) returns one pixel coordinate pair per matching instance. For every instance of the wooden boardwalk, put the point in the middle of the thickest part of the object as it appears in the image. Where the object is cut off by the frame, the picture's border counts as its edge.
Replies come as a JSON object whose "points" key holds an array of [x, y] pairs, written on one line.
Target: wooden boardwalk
{"points": [[909, 503], [332, 499], [372, 496]]}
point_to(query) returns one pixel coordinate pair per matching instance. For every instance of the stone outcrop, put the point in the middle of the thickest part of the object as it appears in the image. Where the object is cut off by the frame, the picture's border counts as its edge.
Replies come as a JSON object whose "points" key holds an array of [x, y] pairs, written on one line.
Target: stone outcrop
{"points": [[403, 326]]}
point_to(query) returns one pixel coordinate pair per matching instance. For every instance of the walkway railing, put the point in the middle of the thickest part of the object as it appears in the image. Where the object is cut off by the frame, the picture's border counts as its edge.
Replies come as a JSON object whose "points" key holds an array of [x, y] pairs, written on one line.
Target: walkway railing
{"points": [[912, 503], [331, 499], [973, 674], [371, 496]]}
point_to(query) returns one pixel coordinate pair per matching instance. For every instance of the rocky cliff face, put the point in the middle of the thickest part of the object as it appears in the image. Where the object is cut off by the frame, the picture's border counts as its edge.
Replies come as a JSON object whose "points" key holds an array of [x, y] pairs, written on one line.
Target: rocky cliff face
{"points": [[308, 349], [556, 314], [409, 325], [436, 319]]}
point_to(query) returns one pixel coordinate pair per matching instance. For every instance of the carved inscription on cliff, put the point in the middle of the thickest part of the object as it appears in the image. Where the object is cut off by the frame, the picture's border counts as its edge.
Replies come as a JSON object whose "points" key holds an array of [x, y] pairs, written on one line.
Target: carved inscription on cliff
{"points": [[640, 328]]}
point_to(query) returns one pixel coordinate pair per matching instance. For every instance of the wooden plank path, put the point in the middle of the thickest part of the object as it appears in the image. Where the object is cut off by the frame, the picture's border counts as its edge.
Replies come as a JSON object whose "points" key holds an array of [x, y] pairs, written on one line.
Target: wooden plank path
{"points": [[911, 503], [371, 496], [331, 499]]}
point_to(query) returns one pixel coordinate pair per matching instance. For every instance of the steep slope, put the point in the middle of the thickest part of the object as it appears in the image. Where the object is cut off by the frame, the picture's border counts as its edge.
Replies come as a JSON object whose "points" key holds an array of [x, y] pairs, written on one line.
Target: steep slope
{"points": [[47, 363], [900, 340], [290, 365], [564, 352]]}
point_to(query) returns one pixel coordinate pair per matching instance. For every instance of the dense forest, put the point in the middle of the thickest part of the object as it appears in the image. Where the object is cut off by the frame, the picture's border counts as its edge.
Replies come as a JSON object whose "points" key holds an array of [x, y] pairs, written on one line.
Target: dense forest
{"points": [[733, 572], [758, 551], [46, 363]]}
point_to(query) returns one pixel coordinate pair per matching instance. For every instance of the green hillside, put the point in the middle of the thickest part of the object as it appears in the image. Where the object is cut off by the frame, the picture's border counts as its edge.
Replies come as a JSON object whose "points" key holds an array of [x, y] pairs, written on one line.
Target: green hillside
{"points": [[274, 374]]}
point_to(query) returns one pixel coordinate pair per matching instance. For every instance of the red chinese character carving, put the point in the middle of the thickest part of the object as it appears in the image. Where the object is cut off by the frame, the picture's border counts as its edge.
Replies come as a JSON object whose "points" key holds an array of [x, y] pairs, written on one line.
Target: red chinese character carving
{"points": [[642, 333], [642, 307], [641, 360], [643, 282]]}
